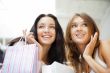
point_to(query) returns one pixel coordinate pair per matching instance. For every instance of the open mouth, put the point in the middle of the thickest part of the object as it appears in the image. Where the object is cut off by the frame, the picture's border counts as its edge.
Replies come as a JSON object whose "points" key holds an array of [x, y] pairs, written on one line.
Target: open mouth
{"points": [[46, 36], [80, 35]]}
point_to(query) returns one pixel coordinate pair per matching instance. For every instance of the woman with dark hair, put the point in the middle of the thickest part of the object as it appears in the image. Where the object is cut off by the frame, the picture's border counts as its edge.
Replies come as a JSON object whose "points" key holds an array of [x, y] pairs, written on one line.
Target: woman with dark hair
{"points": [[48, 33], [84, 51]]}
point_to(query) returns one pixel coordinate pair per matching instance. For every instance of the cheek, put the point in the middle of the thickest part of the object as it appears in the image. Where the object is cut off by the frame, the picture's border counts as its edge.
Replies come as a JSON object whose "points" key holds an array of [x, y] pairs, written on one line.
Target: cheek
{"points": [[54, 34], [39, 33], [86, 29], [89, 32], [72, 32], [88, 37]]}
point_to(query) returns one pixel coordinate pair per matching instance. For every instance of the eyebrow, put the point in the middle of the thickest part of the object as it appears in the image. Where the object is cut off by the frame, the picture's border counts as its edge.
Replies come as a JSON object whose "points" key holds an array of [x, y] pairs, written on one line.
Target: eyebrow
{"points": [[52, 24], [40, 23], [73, 23], [44, 24]]}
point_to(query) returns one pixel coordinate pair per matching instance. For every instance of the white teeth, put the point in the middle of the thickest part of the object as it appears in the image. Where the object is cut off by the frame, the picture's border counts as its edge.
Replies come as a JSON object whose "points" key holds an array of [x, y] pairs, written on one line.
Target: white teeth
{"points": [[46, 36], [80, 35]]}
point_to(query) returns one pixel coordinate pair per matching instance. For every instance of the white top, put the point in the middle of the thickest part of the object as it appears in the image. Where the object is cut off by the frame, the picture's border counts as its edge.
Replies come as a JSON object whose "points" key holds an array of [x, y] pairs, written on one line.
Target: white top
{"points": [[99, 61], [56, 67]]}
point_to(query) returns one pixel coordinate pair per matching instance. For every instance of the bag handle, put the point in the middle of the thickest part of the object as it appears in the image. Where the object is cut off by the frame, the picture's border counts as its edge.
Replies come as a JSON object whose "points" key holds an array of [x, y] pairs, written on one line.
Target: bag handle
{"points": [[24, 36]]}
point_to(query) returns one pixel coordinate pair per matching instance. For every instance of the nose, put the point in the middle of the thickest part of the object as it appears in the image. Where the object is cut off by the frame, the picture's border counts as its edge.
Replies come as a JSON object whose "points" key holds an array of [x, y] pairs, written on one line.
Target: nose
{"points": [[46, 29], [79, 28]]}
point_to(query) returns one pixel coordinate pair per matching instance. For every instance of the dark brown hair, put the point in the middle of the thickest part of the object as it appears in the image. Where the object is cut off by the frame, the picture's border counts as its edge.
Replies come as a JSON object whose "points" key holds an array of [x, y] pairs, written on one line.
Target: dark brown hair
{"points": [[56, 51]]}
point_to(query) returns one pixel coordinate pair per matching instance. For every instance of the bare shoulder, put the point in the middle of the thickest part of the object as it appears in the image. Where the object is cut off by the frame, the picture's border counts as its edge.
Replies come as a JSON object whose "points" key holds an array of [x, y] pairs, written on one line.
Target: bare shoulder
{"points": [[105, 50], [104, 44]]}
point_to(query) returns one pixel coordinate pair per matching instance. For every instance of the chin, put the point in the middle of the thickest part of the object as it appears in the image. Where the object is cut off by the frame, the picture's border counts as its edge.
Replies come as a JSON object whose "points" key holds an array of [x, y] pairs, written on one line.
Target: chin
{"points": [[47, 42], [80, 42]]}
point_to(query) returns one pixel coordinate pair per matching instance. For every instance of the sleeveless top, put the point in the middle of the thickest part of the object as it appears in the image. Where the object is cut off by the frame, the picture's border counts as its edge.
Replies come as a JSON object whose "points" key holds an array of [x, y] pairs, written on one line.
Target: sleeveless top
{"points": [[99, 61]]}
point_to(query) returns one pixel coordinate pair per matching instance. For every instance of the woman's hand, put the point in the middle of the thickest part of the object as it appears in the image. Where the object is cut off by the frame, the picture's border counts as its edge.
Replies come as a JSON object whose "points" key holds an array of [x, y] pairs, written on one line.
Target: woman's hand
{"points": [[90, 46], [29, 37], [31, 40]]}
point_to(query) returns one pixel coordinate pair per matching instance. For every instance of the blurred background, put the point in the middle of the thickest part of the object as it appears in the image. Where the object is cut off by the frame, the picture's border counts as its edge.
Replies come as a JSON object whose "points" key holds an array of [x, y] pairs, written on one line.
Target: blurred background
{"points": [[16, 15]]}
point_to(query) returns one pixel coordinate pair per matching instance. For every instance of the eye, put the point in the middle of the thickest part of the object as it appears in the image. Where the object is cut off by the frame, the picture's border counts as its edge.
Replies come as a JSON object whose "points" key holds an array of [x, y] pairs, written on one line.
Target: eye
{"points": [[84, 24], [40, 26], [52, 27], [74, 25]]}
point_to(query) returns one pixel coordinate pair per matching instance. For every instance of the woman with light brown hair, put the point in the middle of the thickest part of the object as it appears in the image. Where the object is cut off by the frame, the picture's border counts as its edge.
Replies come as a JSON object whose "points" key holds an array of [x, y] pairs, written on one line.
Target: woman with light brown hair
{"points": [[84, 51]]}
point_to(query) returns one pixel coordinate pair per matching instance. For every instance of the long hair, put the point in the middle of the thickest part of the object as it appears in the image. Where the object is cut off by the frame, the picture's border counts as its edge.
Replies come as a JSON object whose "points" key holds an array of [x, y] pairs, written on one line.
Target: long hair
{"points": [[73, 53], [56, 51]]}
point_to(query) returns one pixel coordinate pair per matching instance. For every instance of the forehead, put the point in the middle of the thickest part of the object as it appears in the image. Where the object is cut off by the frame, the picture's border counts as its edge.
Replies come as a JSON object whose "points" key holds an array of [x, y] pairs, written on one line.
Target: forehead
{"points": [[80, 20], [77, 19], [46, 20]]}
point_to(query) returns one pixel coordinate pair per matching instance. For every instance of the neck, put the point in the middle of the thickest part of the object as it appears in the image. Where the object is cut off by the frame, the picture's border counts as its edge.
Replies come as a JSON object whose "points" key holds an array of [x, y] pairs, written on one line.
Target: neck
{"points": [[45, 53], [81, 48]]}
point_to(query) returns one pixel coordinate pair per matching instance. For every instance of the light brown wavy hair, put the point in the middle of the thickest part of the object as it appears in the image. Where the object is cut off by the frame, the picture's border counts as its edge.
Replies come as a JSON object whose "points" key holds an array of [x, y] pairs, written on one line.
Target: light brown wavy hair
{"points": [[72, 52]]}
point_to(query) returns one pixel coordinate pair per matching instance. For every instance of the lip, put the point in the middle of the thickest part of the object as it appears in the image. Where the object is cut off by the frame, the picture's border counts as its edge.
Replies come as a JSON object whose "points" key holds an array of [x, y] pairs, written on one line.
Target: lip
{"points": [[80, 35], [46, 36]]}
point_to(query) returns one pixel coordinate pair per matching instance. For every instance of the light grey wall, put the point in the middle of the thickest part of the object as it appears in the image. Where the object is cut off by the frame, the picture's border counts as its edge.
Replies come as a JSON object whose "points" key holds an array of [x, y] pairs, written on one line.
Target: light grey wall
{"points": [[99, 10], [105, 25]]}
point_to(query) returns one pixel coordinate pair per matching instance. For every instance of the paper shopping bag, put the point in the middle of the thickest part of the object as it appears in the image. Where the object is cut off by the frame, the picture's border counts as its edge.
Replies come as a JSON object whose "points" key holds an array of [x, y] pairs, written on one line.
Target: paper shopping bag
{"points": [[21, 58]]}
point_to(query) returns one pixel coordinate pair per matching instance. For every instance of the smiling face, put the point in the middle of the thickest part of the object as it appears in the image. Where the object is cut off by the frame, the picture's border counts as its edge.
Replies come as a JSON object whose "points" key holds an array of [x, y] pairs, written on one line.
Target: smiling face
{"points": [[46, 31], [80, 31]]}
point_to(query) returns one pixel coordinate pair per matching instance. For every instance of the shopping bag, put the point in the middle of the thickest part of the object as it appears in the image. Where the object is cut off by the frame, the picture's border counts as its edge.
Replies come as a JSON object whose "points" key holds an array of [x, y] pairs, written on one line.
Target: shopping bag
{"points": [[21, 58], [56, 67]]}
